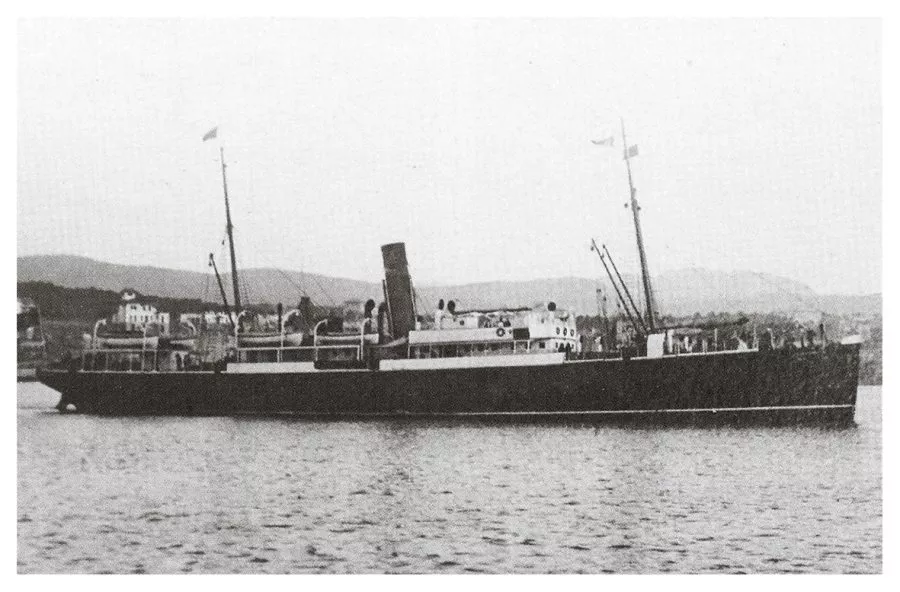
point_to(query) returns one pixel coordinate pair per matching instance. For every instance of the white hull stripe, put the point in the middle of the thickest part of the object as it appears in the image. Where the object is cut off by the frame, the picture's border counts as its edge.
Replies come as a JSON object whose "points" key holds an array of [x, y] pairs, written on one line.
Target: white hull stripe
{"points": [[492, 361], [653, 411], [540, 413]]}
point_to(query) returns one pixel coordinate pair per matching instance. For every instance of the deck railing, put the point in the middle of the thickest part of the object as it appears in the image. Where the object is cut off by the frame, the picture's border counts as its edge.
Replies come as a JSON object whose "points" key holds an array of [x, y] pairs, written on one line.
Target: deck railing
{"points": [[301, 353], [120, 360], [521, 346], [151, 360]]}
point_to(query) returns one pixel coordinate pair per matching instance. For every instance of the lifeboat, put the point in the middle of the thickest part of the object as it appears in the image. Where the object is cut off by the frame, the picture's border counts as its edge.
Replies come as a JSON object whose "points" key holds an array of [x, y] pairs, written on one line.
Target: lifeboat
{"points": [[269, 339], [126, 341], [266, 337]]}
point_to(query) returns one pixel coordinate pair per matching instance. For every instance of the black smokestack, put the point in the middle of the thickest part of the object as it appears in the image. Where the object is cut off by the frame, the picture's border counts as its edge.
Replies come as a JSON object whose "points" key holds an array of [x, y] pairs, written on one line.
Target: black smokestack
{"points": [[398, 286], [306, 313]]}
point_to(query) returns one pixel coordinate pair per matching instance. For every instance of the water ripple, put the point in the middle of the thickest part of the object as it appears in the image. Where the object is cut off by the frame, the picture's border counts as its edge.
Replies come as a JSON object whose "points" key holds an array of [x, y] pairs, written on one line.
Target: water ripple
{"points": [[229, 495]]}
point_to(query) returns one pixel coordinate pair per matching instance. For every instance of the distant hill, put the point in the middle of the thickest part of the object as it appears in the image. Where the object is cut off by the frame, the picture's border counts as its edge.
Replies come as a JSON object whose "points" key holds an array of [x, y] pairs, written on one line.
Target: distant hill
{"points": [[681, 292]]}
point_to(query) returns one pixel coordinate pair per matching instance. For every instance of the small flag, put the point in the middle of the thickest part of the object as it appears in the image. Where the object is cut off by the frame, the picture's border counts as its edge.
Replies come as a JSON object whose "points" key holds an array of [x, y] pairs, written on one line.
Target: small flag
{"points": [[604, 142], [631, 152], [211, 134]]}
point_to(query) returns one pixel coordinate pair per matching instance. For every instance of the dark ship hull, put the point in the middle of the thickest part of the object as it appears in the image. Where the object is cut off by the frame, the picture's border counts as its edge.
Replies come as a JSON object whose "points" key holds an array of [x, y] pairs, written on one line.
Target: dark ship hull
{"points": [[777, 387]]}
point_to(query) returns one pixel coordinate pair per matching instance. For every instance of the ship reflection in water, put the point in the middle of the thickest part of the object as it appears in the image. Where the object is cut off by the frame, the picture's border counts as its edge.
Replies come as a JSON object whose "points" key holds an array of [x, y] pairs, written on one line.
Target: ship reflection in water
{"points": [[98, 494]]}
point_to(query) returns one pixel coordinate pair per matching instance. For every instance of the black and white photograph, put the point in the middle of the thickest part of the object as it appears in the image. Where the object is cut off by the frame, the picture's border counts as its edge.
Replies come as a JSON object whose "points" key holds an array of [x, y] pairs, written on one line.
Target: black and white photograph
{"points": [[430, 295]]}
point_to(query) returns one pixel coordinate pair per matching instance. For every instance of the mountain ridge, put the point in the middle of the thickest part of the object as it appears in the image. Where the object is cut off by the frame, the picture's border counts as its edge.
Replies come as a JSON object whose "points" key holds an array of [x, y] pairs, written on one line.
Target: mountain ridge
{"points": [[678, 292]]}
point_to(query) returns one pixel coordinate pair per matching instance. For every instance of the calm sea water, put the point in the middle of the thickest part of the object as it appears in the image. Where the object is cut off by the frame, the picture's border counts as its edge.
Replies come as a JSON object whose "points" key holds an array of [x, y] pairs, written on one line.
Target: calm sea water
{"points": [[277, 495]]}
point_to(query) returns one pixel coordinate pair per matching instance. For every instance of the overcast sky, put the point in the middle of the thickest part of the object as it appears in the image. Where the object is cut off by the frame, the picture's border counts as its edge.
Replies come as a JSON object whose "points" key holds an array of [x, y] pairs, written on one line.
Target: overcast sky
{"points": [[759, 144]]}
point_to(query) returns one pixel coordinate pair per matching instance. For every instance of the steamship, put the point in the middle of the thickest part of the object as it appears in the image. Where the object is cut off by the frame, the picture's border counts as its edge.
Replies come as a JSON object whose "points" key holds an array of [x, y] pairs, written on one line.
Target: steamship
{"points": [[514, 363]]}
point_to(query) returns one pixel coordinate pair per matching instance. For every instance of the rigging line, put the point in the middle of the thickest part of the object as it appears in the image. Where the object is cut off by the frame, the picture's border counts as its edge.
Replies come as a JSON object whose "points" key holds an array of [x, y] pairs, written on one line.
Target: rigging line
{"points": [[416, 292], [296, 286], [660, 304], [205, 344], [637, 290], [634, 279], [205, 289], [299, 288], [245, 291], [207, 276], [221, 256], [243, 288], [323, 290], [420, 301], [284, 274]]}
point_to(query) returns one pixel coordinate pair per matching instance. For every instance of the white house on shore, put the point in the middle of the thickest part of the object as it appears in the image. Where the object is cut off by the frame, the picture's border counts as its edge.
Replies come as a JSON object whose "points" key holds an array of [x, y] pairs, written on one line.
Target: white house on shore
{"points": [[136, 312], [207, 318]]}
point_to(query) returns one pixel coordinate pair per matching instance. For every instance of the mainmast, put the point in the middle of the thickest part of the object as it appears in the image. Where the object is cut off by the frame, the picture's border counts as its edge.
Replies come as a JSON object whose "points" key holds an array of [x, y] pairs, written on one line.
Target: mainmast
{"points": [[635, 209], [234, 271]]}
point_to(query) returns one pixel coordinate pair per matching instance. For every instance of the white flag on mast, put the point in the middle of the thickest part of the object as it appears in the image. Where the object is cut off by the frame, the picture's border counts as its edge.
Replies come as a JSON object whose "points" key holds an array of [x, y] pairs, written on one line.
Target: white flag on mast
{"points": [[631, 152]]}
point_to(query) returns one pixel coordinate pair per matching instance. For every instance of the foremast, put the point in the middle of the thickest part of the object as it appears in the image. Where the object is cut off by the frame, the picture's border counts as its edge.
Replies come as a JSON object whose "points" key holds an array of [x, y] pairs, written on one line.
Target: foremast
{"points": [[230, 229]]}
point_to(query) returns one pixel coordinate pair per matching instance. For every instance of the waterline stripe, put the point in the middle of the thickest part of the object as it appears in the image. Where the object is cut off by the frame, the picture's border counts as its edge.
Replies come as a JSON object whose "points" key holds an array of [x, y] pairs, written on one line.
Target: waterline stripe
{"points": [[650, 411], [402, 413]]}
